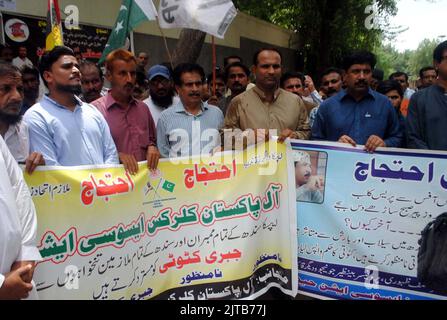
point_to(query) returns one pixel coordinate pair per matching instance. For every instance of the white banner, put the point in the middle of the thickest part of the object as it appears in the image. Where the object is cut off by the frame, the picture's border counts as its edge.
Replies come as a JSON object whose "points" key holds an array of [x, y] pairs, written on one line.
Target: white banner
{"points": [[210, 16]]}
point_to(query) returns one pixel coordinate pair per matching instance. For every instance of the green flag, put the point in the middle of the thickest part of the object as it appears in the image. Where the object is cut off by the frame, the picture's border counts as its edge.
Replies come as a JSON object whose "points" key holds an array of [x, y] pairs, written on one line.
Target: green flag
{"points": [[131, 14], [168, 186]]}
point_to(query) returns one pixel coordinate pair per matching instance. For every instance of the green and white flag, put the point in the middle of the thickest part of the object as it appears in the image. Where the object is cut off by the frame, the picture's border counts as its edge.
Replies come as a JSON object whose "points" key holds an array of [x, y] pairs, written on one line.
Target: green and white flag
{"points": [[168, 186], [131, 14]]}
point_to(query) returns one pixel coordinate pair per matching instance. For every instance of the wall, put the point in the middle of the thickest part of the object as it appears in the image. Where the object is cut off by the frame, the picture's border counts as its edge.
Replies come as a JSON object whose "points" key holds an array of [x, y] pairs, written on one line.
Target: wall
{"points": [[243, 38]]}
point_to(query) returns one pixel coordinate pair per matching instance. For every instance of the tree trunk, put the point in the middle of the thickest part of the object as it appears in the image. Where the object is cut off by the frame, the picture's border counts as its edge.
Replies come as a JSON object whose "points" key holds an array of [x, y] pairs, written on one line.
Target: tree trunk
{"points": [[188, 47]]}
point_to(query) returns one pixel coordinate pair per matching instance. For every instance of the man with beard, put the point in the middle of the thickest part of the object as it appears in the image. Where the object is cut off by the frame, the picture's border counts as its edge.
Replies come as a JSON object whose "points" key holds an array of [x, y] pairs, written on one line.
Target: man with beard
{"points": [[358, 115], [130, 120], [12, 129], [31, 86], [161, 91], [92, 82], [237, 79], [67, 131]]}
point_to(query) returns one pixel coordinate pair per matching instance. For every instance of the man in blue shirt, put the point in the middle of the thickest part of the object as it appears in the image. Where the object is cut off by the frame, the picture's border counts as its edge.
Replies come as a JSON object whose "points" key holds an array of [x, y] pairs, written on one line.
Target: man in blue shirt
{"points": [[358, 115], [427, 113], [65, 130]]}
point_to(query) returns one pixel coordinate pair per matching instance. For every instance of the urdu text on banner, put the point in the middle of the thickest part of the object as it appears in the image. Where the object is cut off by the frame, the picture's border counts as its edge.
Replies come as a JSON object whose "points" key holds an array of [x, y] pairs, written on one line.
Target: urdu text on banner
{"points": [[208, 229], [358, 237]]}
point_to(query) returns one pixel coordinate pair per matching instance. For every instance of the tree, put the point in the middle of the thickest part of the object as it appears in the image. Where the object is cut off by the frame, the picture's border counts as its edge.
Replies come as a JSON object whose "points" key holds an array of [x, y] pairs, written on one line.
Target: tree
{"points": [[409, 61], [327, 29], [390, 60], [422, 56], [188, 46]]}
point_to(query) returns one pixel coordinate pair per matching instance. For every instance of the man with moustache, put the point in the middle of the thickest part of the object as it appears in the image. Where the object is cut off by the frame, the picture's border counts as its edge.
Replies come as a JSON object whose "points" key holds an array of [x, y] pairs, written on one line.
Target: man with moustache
{"points": [[65, 130], [358, 115], [237, 78], [331, 84], [130, 120], [92, 82], [12, 129], [191, 127], [428, 76], [161, 91]]}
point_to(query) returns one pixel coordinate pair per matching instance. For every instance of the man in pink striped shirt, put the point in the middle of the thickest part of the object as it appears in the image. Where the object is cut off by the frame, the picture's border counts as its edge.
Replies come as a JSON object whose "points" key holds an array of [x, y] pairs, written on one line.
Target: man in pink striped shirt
{"points": [[130, 120]]}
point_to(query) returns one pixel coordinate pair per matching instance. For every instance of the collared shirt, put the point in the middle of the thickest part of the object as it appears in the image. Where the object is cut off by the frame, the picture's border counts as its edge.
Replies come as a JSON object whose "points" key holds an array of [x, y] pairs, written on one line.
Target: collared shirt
{"points": [[67, 138], [313, 115], [180, 133], [21, 63], [250, 110], [17, 140], [133, 129], [409, 93], [373, 115], [18, 222], [427, 119], [156, 110]]}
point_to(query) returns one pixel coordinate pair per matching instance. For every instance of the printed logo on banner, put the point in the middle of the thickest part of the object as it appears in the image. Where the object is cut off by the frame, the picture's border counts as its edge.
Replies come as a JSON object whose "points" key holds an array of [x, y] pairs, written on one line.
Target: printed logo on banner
{"points": [[157, 187], [17, 30]]}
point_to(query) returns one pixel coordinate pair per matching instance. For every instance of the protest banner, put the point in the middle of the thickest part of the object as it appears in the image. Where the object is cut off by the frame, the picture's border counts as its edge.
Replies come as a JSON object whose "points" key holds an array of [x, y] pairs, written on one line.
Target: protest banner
{"points": [[359, 238], [200, 229]]}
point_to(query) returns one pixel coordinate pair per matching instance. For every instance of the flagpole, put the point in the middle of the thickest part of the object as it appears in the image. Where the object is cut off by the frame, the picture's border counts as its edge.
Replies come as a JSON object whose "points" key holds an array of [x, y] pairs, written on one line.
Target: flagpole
{"points": [[166, 43], [213, 41], [2, 31], [132, 44]]}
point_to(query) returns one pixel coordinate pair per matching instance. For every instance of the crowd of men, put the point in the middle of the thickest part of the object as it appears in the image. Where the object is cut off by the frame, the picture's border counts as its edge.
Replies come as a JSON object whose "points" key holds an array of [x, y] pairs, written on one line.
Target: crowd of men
{"points": [[148, 113]]}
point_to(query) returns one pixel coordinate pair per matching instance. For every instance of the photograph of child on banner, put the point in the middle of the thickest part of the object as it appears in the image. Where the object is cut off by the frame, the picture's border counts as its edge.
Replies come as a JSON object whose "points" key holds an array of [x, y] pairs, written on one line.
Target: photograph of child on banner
{"points": [[309, 180]]}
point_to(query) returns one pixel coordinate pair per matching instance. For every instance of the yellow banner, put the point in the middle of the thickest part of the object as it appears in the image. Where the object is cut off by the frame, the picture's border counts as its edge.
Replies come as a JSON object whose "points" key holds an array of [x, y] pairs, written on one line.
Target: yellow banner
{"points": [[206, 228]]}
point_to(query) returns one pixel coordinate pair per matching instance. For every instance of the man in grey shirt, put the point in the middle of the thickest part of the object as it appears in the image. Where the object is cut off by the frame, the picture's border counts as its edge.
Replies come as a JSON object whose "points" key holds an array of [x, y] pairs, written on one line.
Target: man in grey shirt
{"points": [[191, 127]]}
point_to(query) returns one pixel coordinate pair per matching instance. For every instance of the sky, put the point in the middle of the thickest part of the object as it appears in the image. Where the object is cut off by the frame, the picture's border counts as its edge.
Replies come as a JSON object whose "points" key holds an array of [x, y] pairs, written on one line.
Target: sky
{"points": [[424, 19]]}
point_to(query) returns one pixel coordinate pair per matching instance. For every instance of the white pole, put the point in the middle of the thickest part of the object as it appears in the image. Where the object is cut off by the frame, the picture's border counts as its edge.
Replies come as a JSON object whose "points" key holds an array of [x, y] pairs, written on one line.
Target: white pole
{"points": [[132, 44], [2, 31]]}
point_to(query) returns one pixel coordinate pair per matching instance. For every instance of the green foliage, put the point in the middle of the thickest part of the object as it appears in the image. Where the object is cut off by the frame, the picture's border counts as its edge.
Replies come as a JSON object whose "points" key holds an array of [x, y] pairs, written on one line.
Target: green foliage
{"points": [[327, 29], [390, 60]]}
